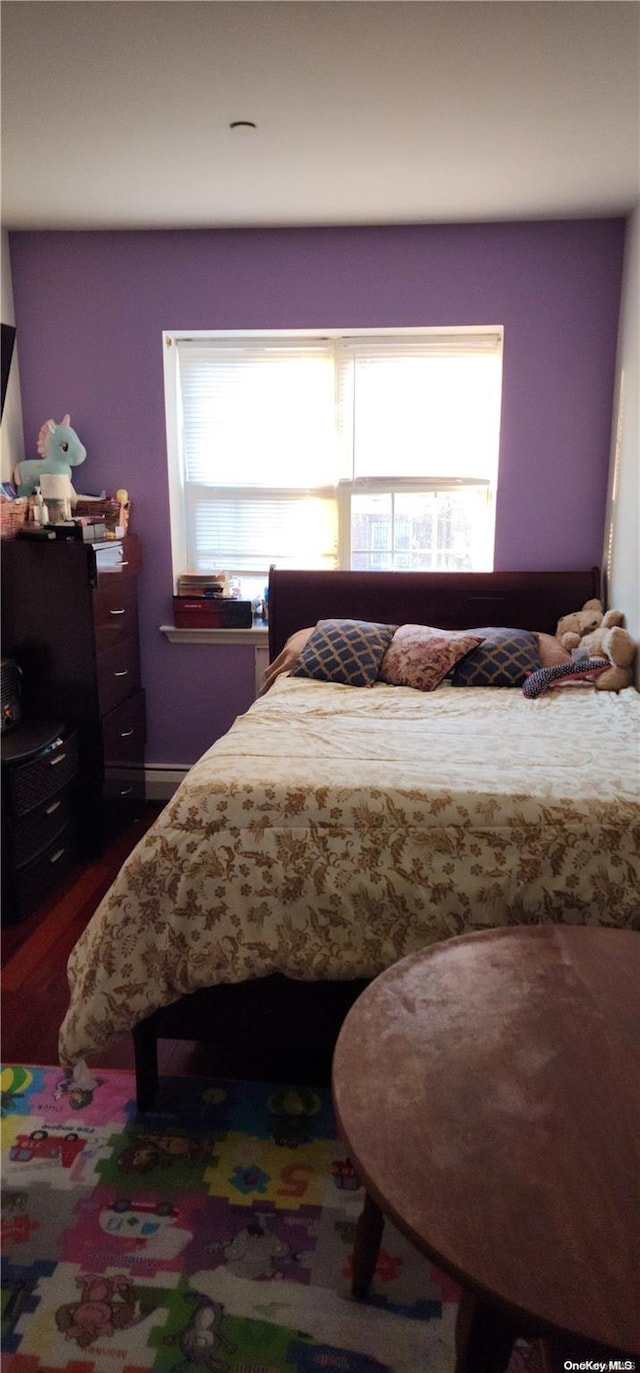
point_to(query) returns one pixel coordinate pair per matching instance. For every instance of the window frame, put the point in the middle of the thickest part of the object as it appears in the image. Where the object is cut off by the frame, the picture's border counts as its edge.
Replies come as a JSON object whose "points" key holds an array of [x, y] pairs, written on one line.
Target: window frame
{"points": [[178, 501]]}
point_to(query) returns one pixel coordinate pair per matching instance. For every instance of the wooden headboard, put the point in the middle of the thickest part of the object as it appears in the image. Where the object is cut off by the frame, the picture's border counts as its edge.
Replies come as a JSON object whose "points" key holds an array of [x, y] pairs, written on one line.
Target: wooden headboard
{"points": [[448, 600]]}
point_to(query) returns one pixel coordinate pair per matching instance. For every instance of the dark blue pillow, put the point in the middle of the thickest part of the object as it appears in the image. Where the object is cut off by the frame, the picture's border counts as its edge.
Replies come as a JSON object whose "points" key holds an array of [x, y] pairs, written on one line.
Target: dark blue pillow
{"points": [[504, 659], [345, 651]]}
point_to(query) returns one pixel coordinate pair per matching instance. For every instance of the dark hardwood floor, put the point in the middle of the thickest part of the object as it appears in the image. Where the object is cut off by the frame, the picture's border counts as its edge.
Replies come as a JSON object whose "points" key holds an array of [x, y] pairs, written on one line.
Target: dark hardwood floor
{"points": [[34, 958]]}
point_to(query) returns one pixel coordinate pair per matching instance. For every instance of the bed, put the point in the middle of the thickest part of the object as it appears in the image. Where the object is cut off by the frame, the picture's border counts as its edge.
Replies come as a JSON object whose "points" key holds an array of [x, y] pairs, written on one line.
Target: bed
{"points": [[335, 829]]}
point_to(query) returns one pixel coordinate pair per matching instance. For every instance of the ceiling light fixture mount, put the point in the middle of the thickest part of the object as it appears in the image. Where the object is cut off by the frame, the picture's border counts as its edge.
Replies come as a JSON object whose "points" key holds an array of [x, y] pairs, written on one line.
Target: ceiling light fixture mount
{"points": [[243, 126]]}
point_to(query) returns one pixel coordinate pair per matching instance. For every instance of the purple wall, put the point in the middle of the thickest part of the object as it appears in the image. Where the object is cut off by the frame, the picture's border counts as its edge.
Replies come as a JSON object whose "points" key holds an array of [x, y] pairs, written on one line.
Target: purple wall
{"points": [[90, 309]]}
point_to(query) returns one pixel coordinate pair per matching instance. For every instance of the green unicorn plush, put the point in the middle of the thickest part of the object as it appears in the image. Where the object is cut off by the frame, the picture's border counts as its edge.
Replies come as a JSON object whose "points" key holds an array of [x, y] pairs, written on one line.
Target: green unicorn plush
{"points": [[61, 450]]}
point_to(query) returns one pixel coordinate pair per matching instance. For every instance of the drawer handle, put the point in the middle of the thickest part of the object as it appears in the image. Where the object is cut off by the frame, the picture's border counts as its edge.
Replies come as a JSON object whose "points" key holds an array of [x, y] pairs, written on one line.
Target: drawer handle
{"points": [[124, 672], [126, 733], [53, 762], [55, 856], [52, 808], [126, 791], [119, 612]]}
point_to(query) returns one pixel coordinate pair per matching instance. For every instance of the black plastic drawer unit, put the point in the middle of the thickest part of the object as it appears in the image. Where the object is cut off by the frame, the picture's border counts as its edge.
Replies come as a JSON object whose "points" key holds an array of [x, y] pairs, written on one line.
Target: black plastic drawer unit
{"points": [[39, 766]]}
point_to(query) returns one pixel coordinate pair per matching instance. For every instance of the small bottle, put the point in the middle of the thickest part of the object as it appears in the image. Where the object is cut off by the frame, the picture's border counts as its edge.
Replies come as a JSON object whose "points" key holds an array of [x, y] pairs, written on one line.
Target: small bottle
{"points": [[40, 512]]}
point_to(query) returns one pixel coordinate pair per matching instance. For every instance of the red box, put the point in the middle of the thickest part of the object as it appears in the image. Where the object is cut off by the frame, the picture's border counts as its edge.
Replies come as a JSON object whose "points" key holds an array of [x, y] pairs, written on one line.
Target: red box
{"points": [[211, 612]]}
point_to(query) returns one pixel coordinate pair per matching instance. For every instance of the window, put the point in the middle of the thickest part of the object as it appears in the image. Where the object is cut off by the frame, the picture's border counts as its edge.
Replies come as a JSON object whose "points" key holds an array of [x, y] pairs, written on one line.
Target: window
{"points": [[364, 451]]}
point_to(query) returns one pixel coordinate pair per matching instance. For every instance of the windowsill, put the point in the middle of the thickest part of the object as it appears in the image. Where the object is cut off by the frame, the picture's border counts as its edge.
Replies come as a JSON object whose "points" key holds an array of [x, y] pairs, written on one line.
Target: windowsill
{"points": [[258, 634]]}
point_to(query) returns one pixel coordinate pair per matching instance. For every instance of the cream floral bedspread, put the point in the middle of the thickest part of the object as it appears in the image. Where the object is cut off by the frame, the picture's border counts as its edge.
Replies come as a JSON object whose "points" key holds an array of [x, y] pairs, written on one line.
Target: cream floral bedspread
{"points": [[333, 830]]}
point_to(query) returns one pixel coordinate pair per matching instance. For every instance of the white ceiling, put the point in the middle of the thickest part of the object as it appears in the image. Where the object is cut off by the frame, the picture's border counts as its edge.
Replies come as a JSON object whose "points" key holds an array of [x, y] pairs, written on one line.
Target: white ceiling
{"points": [[116, 113]]}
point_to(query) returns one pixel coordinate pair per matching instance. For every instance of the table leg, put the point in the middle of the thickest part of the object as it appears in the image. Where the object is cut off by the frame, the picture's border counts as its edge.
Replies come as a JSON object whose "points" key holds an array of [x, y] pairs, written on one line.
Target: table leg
{"points": [[146, 1064], [484, 1337], [367, 1246]]}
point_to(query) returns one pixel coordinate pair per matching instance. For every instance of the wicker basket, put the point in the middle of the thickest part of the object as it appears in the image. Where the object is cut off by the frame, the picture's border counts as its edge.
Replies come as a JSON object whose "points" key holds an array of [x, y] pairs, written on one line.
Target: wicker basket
{"points": [[12, 516], [109, 510]]}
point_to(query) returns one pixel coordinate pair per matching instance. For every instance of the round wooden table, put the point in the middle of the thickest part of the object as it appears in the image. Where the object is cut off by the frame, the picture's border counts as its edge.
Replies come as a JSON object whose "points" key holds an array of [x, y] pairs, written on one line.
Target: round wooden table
{"points": [[488, 1092]]}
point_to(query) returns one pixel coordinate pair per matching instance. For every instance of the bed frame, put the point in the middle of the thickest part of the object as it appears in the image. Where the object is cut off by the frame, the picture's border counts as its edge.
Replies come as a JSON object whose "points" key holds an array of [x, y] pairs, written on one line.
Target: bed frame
{"points": [[273, 1010], [450, 600]]}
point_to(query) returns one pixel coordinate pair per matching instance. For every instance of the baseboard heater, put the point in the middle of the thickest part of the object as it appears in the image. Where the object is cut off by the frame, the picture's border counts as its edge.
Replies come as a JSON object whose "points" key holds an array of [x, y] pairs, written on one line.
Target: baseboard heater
{"points": [[161, 781]]}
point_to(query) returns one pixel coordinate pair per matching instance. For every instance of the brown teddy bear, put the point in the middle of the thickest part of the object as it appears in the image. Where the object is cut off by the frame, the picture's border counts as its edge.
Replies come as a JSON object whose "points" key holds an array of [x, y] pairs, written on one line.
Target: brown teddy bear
{"points": [[599, 635]]}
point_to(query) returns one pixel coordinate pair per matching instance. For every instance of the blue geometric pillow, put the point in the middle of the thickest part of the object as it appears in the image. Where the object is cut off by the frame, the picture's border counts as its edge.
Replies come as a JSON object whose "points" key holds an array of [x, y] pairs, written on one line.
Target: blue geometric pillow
{"points": [[504, 659], [345, 651]]}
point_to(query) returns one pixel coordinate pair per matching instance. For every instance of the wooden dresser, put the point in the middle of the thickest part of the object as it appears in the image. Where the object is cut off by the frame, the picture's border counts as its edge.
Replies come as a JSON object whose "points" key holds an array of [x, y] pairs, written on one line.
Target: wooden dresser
{"points": [[70, 620]]}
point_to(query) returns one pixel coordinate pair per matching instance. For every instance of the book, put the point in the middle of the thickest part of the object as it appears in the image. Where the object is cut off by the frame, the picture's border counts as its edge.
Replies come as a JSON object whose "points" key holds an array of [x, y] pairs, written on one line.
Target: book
{"points": [[190, 583], [204, 592]]}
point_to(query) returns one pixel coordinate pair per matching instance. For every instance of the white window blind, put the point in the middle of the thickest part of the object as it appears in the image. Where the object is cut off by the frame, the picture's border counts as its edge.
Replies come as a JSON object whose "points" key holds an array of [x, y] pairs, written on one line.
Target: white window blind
{"points": [[373, 451], [259, 449], [420, 407]]}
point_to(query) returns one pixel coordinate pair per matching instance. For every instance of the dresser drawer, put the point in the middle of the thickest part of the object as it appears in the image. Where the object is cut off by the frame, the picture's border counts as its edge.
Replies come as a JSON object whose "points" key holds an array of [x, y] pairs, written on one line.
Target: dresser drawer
{"points": [[32, 783], [130, 564], [115, 611], [34, 882], [124, 733], [118, 674], [124, 784], [33, 832]]}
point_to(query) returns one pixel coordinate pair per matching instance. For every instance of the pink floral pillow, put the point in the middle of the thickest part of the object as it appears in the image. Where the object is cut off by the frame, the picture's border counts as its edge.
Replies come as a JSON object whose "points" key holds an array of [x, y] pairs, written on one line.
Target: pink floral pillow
{"points": [[421, 657]]}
